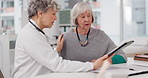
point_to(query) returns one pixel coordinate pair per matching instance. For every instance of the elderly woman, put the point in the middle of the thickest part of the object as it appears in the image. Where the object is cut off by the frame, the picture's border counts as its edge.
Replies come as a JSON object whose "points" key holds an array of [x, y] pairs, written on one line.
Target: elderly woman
{"points": [[34, 54], [85, 43]]}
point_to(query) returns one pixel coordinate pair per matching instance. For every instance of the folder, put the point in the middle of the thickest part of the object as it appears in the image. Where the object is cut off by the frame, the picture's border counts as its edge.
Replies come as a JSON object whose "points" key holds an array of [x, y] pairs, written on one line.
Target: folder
{"points": [[141, 57]]}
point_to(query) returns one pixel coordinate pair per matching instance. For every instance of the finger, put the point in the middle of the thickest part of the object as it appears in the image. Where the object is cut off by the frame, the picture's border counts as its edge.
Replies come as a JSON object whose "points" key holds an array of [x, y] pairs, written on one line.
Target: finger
{"points": [[111, 56], [104, 57], [62, 41], [109, 61], [60, 37], [93, 60]]}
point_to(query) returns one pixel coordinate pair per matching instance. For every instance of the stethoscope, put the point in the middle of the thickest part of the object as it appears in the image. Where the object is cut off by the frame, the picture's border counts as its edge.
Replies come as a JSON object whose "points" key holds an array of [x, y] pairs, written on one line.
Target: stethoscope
{"points": [[83, 44], [41, 32], [37, 28]]}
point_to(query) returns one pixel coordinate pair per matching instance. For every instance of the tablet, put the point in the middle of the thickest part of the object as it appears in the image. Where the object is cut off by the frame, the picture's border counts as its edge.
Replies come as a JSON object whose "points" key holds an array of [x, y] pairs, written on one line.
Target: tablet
{"points": [[125, 44]]}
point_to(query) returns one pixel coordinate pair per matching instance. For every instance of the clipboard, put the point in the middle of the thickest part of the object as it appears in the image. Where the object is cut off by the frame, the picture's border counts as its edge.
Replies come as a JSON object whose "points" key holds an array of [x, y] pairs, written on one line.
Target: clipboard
{"points": [[124, 45]]}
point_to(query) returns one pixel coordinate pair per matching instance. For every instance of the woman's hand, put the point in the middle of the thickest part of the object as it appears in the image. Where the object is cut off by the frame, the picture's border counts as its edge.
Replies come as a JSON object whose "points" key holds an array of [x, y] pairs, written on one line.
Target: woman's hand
{"points": [[98, 63], [60, 43], [93, 60]]}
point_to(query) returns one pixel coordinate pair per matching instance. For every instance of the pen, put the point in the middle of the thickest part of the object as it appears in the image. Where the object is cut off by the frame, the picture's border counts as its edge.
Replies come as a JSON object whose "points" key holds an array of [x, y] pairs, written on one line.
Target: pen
{"points": [[138, 73], [131, 69]]}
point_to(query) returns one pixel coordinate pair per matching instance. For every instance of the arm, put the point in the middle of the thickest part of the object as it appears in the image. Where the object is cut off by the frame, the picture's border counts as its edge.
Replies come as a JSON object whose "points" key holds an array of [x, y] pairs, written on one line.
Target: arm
{"points": [[39, 49], [120, 55]]}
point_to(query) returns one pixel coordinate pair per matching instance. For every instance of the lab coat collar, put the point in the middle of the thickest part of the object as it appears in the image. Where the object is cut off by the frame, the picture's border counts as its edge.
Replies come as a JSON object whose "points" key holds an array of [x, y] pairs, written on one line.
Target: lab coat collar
{"points": [[34, 22]]}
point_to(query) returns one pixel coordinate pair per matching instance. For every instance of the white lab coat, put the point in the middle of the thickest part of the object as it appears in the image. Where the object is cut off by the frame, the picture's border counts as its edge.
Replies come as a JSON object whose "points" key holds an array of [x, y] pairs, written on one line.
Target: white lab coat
{"points": [[34, 56]]}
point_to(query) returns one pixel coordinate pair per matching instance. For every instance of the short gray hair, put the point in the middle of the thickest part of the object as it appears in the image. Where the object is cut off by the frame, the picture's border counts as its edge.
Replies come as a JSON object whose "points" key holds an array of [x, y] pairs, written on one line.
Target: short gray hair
{"points": [[78, 9], [43, 5]]}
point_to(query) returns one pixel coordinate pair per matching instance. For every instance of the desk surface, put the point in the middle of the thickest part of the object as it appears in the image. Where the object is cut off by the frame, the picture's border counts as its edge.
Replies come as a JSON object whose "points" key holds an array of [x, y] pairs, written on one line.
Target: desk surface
{"points": [[113, 69]]}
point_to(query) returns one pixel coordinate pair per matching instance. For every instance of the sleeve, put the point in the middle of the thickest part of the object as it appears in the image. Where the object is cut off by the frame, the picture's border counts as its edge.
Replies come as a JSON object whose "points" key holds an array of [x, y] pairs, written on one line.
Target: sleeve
{"points": [[111, 46], [41, 51]]}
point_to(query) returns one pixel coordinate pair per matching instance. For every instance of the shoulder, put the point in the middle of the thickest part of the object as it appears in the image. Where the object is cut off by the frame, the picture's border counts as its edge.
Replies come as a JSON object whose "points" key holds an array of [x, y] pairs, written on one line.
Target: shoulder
{"points": [[68, 33], [97, 31], [28, 33], [28, 30]]}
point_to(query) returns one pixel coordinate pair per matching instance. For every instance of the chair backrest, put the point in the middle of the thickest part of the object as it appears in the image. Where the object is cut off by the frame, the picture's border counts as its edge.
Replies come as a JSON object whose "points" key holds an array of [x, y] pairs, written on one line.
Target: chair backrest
{"points": [[1, 75]]}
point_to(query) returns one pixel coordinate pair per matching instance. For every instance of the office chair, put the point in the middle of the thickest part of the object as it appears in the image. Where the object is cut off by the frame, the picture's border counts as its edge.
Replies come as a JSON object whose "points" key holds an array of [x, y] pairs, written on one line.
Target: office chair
{"points": [[1, 75]]}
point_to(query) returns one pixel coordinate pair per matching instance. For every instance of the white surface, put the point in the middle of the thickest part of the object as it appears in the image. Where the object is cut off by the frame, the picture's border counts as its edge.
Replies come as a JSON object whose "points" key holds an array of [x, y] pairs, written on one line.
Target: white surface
{"points": [[68, 75], [118, 68], [103, 69]]}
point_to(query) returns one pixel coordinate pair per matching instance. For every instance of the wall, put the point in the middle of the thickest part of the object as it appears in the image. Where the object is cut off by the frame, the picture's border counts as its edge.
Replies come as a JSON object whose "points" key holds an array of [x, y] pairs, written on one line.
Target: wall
{"points": [[127, 14], [135, 17], [17, 16], [0, 19], [110, 18], [146, 16]]}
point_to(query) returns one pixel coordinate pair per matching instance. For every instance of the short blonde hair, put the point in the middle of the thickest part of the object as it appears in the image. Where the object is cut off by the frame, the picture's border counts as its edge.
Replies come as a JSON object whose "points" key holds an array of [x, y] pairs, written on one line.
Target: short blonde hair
{"points": [[78, 9]]}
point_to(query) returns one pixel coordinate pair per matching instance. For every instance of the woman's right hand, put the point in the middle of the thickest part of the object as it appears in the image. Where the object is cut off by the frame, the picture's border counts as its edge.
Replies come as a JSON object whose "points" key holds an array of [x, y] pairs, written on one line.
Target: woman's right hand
{"points": [[98, 63], [60, 43]]}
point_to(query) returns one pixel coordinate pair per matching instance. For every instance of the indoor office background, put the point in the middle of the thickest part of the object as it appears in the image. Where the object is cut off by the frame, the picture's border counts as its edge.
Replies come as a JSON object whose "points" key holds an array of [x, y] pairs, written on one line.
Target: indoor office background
{"points": [[120, 19]]}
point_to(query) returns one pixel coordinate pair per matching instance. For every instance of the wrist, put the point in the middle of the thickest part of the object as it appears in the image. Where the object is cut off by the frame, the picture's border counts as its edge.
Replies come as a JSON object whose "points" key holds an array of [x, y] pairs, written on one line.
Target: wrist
{"points": [[57, 50], [94, 68]]}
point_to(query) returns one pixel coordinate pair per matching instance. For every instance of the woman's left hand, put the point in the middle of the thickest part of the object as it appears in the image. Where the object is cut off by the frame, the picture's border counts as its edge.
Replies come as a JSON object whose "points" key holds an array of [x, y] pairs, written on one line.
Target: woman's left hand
{"points": [[60, 43]]}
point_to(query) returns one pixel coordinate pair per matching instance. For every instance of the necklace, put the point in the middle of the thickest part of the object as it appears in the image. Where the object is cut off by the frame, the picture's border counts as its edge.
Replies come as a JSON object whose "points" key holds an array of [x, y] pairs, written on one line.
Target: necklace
{"points": [[37, 28], [82, 43]]}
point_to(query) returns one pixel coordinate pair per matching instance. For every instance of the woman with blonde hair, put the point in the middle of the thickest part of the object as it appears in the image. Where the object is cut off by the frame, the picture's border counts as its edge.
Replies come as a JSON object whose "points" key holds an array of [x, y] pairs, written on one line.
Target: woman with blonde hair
{"points": [[85, 43]]}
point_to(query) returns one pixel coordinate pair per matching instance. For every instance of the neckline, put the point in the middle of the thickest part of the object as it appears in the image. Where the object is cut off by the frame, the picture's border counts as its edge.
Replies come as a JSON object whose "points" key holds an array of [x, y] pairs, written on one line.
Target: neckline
{"points": [[82, 43], [74, 32]]}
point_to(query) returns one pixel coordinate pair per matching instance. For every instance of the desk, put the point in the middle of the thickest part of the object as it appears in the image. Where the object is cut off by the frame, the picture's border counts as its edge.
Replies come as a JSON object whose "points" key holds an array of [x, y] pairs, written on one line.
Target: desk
{"points": [[118, 67]]}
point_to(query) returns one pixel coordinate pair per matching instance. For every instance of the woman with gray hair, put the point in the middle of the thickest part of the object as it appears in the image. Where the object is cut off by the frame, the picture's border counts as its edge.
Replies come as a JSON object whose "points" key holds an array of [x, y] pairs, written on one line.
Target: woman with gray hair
{"points": [[33, 52], [85, 43]]}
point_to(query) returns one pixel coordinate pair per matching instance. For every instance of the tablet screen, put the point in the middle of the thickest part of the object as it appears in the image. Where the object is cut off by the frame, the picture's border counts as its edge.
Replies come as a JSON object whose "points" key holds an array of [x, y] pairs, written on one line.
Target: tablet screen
{"points": [[125, 44]]}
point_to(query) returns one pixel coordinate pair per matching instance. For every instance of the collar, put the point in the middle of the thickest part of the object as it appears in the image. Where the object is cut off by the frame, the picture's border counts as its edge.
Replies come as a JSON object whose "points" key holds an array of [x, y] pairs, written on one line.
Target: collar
{"points": [[34, 23], [36, 26]]}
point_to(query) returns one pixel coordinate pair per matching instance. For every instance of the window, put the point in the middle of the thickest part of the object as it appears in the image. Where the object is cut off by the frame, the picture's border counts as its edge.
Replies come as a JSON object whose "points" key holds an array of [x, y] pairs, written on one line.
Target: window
{"points": [[10, 22], [135, 19], [1, 4], [10, 4]]}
